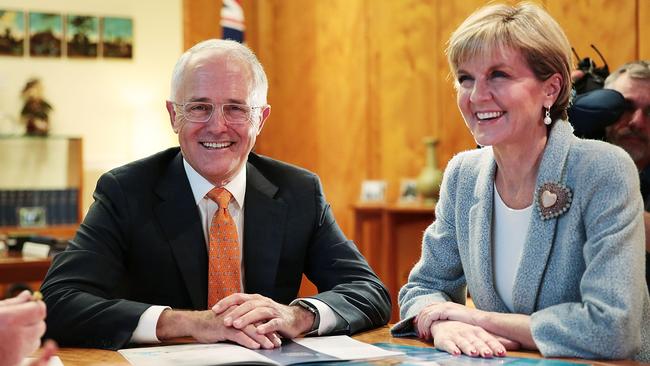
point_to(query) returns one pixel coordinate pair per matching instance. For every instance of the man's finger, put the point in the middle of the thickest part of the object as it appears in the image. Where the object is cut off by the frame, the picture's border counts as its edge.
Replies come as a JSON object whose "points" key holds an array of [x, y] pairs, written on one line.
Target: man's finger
{"points": [[22, 297], [240, 311], [241, 338], [256, 315], [262, 339], [228, 301], [25, 313], [273, 325], [269, 329]]}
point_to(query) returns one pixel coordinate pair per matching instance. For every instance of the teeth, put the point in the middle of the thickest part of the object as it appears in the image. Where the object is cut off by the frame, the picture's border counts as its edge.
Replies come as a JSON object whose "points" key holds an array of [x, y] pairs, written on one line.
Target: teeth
{"points": [[488, 115], [216, 145]]}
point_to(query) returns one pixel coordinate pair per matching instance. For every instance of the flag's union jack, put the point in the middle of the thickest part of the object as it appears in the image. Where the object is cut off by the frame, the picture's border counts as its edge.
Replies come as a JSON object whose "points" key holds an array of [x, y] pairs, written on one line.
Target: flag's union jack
{"points": [[232, 20]]}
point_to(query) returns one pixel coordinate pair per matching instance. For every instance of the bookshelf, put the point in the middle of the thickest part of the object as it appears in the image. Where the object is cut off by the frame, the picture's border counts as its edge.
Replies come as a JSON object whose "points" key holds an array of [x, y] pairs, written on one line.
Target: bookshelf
{"points": [[40, 185]]}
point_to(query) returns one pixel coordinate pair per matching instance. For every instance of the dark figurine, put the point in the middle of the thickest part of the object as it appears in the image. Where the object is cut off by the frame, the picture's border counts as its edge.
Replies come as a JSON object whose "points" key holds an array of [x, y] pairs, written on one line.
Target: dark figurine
{"points": [[35, 111]]}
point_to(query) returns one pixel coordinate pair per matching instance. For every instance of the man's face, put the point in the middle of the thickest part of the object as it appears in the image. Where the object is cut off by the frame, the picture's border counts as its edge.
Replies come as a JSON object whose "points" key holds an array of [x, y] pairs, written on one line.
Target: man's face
{"points": [[214, 149], [632, 130]]}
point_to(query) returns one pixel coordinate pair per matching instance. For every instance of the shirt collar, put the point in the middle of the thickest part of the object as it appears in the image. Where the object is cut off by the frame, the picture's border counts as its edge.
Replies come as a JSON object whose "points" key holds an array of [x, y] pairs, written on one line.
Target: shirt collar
{"points": [[200, 186]]}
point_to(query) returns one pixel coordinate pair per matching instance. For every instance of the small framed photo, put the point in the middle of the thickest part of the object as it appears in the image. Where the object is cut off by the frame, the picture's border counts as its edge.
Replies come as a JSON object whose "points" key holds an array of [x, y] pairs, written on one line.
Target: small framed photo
{"points": [[82, 35], [45, 34], [117, 37], [373, 191], [407, 191], [31, 216], [12, 33]]}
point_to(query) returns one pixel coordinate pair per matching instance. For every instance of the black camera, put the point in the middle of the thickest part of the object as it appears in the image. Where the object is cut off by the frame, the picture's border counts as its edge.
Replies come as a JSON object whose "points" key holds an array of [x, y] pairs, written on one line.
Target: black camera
{"points": [[593, 108]]}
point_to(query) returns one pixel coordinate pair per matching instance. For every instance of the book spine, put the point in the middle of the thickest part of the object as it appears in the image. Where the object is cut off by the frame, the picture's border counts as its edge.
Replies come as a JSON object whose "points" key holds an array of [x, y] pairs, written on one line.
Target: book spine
{"points": [[74, 206], [4, 203], [11, 207], [50, 206], [61, 198]]}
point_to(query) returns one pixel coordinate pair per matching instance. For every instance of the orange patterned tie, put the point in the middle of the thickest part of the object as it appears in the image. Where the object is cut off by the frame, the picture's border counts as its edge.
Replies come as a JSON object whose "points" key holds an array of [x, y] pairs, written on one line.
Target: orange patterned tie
{"points": [[224, 277]]}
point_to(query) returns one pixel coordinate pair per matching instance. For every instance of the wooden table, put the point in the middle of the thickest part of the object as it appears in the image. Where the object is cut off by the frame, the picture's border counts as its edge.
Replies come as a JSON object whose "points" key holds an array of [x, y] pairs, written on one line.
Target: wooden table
{"points": [[95, 357], [16, 268]]}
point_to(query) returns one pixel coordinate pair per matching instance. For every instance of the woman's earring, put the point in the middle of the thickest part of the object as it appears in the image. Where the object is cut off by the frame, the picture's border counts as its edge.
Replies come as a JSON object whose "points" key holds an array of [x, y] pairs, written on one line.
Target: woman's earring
{"points": [[547, 119]]}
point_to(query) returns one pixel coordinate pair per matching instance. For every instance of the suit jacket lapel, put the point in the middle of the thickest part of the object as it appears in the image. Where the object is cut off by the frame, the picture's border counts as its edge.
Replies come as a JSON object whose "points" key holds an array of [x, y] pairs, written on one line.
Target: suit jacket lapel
{"points": [[264, 232], [541, 233], [480, 237], [184, 231]]}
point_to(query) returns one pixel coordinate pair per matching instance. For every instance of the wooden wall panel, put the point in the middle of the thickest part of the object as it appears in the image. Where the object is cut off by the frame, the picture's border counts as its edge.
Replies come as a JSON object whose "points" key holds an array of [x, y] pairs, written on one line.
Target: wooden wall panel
{"points": [[200, 21], [356, 84], [317, 93], [610, 25], [404, 95], [341, 100], [288, 54], [643, 29]]}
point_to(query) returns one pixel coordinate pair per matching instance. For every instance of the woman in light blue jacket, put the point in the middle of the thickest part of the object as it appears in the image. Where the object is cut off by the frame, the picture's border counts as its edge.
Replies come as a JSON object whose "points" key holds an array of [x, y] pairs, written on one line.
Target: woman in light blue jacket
{"points": [[543, 229]]}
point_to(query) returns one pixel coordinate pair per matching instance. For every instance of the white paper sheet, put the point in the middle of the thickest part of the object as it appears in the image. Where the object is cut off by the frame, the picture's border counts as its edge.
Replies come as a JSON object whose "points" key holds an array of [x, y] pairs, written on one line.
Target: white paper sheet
{"points": [[192, 355], [341, 347], [54, 361], [344, 347]]}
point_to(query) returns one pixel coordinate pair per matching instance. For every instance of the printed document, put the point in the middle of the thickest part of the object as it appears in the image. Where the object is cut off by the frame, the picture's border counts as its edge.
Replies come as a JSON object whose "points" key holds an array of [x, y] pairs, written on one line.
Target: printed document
{"points": [[301, 350]]}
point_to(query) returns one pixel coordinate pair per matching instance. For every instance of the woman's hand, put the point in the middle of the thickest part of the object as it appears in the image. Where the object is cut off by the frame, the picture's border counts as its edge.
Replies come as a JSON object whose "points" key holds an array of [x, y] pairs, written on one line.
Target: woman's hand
{"points": [[458, 337], [445, 311]]}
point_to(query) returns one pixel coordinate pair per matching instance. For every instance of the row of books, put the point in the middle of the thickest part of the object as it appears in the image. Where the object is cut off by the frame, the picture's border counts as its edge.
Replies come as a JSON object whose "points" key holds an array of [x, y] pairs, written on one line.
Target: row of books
{"points": [[39, 207]]}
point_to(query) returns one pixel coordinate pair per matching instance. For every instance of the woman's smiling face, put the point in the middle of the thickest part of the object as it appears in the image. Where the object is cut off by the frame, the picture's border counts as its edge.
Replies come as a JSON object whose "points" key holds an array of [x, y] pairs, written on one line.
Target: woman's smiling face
{"points": [[501, 99]]}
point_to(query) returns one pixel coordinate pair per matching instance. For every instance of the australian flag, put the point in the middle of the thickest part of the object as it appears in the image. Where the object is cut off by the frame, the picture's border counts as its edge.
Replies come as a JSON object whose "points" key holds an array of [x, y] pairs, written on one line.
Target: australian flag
{"points": [[232, 20]]}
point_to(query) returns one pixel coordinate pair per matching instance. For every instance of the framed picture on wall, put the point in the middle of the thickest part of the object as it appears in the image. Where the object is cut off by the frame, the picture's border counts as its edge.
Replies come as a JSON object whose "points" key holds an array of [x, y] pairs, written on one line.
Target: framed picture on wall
{"points": [[117, 37], [82, 36], [12, 33], [45, 34]]}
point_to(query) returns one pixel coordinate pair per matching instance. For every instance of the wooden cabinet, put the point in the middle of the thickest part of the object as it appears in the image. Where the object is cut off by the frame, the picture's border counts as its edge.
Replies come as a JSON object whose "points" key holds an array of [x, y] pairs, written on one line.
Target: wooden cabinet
{"points": [[390, 237], [41, 176]]}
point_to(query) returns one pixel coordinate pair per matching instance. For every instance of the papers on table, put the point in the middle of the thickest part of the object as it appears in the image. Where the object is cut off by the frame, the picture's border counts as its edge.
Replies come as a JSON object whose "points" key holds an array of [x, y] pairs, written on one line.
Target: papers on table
{"points": [[316, 349], [54, 361]]}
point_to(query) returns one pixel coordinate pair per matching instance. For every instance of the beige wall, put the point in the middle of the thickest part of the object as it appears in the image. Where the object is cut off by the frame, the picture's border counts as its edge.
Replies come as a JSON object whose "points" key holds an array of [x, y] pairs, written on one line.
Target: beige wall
{"points": [[116, 106]]}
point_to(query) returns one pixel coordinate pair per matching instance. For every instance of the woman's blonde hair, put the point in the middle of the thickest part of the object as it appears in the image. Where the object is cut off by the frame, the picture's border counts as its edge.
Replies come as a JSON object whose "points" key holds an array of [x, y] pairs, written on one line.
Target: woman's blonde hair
{"points": [[526, 28]]}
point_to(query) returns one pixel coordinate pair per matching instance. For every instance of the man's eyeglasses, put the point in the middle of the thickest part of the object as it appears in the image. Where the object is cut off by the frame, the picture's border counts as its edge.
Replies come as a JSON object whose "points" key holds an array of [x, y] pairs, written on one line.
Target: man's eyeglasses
{"points": [[201, 112]]}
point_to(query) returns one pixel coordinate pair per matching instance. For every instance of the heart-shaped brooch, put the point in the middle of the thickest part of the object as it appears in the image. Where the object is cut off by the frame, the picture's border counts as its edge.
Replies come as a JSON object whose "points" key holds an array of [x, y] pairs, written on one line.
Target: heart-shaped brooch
{"points": [[553, 199]]}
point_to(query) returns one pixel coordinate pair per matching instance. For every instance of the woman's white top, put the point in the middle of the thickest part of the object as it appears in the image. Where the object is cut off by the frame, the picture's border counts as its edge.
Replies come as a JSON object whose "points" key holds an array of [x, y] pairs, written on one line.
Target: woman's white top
{"points": [[509, 229]]}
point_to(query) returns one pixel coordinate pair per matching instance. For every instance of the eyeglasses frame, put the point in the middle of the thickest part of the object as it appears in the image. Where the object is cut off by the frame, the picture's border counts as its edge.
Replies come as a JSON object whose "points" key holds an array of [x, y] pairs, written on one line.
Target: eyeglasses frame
{"points": [[181, 111]]}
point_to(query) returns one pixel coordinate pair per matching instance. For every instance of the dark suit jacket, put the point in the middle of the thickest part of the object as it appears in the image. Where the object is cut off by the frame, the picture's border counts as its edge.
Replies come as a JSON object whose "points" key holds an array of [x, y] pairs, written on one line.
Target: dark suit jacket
{"points": [[142, 244]]}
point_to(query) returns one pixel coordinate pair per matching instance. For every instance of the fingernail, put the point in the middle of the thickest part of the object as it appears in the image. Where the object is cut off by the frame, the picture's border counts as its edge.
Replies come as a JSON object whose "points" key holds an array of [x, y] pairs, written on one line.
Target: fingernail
{"points": [[473, 351], [237, 322], [227, 320], [487, 353], [502, 352]]}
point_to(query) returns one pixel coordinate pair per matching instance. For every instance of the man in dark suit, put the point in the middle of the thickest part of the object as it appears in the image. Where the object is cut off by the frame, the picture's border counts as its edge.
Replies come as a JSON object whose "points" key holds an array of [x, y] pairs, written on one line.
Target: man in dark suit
{"points": [[146, 249]]}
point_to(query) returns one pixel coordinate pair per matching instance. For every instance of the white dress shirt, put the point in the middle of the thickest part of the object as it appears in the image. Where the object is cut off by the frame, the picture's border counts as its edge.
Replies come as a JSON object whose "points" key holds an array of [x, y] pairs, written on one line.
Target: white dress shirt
{"points": [[145, 332]]}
